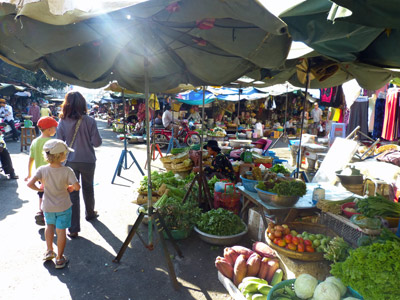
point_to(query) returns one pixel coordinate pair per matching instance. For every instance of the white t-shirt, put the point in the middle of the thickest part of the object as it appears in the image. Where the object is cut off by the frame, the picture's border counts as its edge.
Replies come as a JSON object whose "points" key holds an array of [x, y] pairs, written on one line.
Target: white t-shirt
{"points": [[167, 118], [316, 114], [7, 112], [56, 181]]}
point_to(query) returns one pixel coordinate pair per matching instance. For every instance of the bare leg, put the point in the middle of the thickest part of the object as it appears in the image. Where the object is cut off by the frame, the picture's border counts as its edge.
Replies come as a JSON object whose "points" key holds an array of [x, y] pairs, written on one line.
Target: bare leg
{"points": [[61, 241], [49, 235]]}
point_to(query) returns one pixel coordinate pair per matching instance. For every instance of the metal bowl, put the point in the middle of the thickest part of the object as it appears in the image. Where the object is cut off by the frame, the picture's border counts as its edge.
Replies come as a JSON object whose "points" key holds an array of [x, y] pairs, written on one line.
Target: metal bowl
{"points": [[274, 199], [223, 240], [350, 179]]}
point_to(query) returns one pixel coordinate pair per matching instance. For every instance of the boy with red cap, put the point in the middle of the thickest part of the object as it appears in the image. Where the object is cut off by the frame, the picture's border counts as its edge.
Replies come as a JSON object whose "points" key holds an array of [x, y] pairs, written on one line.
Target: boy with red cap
{"points": [[48, 128]]}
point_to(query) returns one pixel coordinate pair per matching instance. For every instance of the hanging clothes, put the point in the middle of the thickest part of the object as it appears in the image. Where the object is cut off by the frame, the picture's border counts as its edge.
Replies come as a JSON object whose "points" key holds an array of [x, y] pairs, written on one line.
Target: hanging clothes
{"points": [[359, 115], [390, 122], [379, 115], [332, 97]]}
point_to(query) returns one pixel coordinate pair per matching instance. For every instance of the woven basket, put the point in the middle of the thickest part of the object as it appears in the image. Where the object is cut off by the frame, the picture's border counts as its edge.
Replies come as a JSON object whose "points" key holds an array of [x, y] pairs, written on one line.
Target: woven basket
{"points": [[355, 188], [300, 227], [176, 159], [166, 159]]}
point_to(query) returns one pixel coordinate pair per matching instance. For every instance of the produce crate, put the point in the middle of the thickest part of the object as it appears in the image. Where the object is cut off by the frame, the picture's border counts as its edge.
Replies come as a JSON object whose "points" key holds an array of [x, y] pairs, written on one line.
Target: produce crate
{"points": [[230, 287], [345, 228]]}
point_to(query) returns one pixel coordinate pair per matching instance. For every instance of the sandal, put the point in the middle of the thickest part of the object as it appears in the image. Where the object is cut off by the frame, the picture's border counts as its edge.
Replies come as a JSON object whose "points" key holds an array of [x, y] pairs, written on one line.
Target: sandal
{"points": [[73, 234], [39, 219], [49, 255], [62, 262]]}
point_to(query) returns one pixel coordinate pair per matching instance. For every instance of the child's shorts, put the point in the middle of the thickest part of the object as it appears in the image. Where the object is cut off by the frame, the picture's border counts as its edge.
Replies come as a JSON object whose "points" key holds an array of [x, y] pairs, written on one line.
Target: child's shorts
{"points": [[62, 220]]}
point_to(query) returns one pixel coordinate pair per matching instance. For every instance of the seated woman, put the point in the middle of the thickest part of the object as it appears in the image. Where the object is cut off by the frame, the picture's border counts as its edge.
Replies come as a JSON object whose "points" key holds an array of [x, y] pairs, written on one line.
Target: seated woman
{"points": [[220, 165]]}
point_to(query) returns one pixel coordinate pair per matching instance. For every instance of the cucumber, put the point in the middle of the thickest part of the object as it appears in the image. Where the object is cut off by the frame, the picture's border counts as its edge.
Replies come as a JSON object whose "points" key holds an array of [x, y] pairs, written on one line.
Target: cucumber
{"points": [[264, 288], [277, 277]]}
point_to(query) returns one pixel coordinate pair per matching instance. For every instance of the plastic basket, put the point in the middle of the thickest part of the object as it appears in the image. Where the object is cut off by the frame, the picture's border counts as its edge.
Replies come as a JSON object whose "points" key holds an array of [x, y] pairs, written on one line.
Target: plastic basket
{"points": [[290, 282], [249, 184], [229, 201]]}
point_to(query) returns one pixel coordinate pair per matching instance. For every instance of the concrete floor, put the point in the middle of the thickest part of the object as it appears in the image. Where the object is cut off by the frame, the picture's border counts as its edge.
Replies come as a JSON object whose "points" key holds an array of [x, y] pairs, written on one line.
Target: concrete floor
{"points": [[91, 274]]}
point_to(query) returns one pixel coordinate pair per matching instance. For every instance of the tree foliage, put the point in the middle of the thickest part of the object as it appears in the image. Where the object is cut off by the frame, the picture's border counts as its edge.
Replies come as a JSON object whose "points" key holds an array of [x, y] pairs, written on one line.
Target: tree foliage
{"points": [[37, 79]]}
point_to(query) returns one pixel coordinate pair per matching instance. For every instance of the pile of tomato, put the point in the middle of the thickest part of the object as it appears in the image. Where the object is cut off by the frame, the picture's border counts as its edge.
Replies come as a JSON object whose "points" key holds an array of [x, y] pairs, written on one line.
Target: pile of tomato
{"points": [[282, 236]]}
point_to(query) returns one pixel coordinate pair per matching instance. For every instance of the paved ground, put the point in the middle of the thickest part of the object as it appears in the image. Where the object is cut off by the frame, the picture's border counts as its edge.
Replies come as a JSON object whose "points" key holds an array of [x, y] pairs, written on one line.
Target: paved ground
{"points": [[91, 274]]}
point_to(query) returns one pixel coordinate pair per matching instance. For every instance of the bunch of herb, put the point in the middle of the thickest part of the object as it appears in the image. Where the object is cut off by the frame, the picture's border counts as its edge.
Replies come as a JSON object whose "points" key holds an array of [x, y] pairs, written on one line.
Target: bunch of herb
{"points": [[378, 206], [220, 222], [337, 250], [178, 215], [372, 270]]}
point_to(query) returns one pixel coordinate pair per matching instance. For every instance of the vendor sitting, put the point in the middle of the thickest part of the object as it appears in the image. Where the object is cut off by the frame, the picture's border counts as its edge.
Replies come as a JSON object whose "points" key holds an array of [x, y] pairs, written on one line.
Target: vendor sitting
{"points": [[220, 165]]}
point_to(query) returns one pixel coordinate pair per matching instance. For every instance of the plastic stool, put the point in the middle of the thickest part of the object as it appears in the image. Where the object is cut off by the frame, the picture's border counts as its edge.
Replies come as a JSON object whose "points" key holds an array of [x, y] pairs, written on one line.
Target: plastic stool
{"points": [[28, 134]]}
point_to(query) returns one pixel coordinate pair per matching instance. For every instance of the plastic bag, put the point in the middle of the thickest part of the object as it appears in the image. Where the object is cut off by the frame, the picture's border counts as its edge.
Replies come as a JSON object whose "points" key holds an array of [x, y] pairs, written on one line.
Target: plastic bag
{"points": [[364, 222]]}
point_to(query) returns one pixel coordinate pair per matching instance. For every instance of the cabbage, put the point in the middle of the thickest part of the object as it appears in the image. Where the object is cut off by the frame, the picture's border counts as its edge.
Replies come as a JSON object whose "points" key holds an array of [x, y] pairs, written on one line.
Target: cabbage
{"points": [[339, 284], [304, 286], [326, 291]]}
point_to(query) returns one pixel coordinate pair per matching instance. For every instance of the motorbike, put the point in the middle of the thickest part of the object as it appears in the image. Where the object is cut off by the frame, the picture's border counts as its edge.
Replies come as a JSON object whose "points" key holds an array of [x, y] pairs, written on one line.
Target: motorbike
{"points": [[6, 130], [186, 136]]}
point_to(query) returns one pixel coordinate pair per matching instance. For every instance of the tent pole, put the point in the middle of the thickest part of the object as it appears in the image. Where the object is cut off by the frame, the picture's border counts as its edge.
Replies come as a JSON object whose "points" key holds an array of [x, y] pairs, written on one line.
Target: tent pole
{"points": [[201, 173], [125, 146], [147, 123], [238, 115], [297, 173], [286, 102]]}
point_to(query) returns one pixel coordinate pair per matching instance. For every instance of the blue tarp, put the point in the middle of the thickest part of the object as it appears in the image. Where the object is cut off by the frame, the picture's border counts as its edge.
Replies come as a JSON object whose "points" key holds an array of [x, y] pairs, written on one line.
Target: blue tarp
{"points": [[195, 97], [226, 94], [232, 94]]}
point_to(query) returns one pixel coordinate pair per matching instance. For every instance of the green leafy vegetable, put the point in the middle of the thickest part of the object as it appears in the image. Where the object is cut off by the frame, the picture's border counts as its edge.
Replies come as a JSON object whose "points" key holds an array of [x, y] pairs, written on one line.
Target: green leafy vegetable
{"points": [[284, 187], [220, 222], [211, 184], [279, 168], [178, 215], [378, 206], [373, 271], [336, 250]]}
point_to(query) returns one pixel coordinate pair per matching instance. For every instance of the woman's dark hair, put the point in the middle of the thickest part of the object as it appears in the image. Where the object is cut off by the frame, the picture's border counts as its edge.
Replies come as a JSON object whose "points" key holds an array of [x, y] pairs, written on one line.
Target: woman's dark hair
{"points": [[74, 106], [167, 107]]}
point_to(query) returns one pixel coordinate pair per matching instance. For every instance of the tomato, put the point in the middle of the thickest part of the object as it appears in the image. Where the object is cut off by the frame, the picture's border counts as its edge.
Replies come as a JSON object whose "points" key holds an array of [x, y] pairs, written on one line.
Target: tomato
{"points": [[282, 243], [276, 240], [310, 249], [271, 236], [286, 230], [300, 247], [307, 243], [292, 246], [288, 238], [278, 227], [301, 241], [278, 233], [295, 240]]}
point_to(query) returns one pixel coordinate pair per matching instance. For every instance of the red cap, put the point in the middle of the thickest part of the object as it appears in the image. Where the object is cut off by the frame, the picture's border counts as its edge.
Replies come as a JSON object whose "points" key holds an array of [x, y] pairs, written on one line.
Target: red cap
{"points": [[46, 123]]}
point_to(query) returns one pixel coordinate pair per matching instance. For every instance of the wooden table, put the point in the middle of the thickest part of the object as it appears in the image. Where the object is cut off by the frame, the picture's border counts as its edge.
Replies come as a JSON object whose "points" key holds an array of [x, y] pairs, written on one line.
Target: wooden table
{"points": [[303, 207]]}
